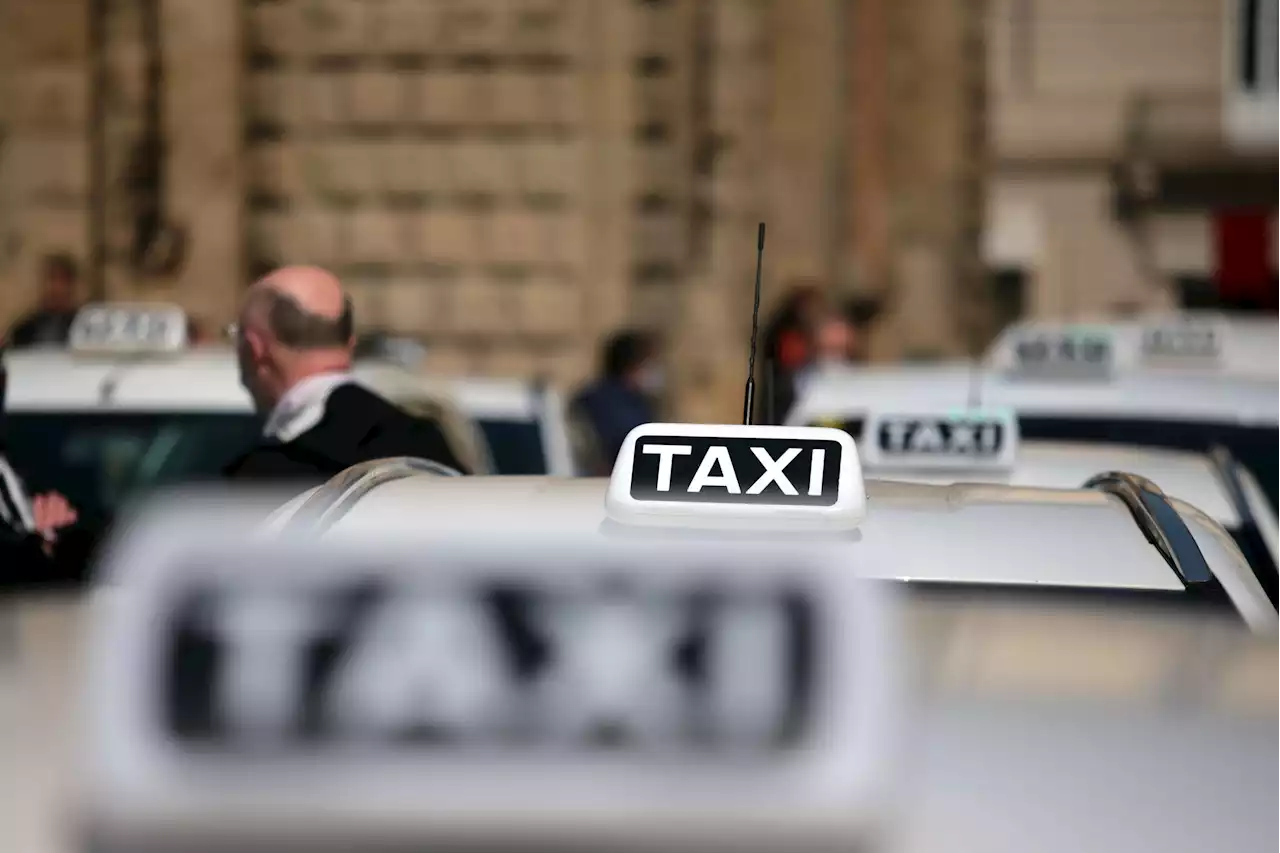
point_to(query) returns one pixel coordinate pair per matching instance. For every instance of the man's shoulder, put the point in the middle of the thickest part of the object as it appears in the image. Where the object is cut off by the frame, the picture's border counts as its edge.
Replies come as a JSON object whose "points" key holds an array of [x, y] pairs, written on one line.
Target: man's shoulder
{"points": [[359, 421]]}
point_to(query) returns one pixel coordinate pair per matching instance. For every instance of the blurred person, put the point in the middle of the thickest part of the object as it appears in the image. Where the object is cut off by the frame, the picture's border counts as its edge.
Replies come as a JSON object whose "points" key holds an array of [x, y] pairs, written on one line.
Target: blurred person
{"points": [[294, 342], [623, 397], [861, 312], [31, 528], [50, 322], [835, 345], [787, 340], [197, 332]]}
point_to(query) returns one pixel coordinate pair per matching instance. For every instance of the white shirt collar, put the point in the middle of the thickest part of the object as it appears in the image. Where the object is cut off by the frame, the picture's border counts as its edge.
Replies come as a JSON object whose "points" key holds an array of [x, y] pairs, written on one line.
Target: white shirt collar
{"points": [[302, 406]]}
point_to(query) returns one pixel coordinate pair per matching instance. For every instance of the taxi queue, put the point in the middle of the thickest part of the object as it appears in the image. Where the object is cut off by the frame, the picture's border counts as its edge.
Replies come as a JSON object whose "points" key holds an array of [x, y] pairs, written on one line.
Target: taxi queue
{"points": [[117, 413], [767, 546]]}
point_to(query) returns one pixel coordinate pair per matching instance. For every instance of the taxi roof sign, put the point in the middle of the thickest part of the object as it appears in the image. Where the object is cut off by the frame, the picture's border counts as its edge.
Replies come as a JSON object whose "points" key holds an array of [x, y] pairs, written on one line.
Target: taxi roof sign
{"points": [[400, 734], [1183, 340], [732, 476], [128, 328], [1064, 351], [966, 439]]}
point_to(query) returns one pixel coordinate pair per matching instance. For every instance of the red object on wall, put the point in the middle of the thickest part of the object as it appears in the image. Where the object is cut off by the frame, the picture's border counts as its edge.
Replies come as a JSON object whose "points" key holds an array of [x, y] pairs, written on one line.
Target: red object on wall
{"points": [[1242, 243]]}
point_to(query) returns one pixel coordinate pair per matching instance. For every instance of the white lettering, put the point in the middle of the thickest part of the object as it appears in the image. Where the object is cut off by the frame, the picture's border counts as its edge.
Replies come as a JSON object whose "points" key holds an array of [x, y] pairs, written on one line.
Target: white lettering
{"points": [[748, 665], [422, 661], [612, 665], [898, 435], [727, 479], [774, 471], [260, 682], [963, 439], [927, 439], [990, 438], [816, 471], [665, 452]]}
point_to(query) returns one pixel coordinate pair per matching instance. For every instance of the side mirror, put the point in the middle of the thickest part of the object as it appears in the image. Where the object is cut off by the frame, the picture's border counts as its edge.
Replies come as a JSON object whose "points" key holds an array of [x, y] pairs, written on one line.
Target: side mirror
{"points": [[1159, 522]]}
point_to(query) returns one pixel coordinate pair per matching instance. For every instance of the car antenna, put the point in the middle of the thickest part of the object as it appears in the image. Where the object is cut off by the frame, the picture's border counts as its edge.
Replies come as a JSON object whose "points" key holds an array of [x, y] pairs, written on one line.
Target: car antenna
{"points": [[748, 404]]}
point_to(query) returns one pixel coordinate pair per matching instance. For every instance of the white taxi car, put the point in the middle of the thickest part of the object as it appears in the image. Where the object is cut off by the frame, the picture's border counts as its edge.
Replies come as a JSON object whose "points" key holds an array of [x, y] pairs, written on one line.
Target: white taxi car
{"points": [[499, 686], [1120, 536], [929, 445], [1082, 398], [128, 405]]}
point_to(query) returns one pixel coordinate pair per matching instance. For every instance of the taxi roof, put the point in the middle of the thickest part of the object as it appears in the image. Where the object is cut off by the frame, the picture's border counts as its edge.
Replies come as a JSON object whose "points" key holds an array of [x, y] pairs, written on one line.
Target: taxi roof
{"points": [[1067, 465], [969, 513], [837, 392], [1185, 397], [1250, 344], [205, 379], [1141, 395]]}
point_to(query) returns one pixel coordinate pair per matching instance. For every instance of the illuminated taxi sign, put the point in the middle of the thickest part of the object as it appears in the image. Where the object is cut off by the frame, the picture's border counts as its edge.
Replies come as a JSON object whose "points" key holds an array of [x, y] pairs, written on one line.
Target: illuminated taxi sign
{"points": [[737, 476], [565, 683], [128, 328], [1181, 342], [969, 439], [1067, 352]]}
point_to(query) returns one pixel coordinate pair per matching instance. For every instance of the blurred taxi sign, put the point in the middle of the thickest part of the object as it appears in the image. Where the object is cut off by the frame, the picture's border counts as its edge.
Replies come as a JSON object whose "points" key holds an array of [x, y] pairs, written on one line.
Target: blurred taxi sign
{"points": [[504, 690], [128, 328], [968, 439], [1183, 341], [749, 477], [1069, 352]]}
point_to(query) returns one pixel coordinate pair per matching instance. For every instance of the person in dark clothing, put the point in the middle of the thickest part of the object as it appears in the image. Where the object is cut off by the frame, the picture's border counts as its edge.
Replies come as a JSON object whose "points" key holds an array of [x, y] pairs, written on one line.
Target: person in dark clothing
{"points": [[38, 543], [50, 322], [622, 398], [787, 341], [294, 342]]}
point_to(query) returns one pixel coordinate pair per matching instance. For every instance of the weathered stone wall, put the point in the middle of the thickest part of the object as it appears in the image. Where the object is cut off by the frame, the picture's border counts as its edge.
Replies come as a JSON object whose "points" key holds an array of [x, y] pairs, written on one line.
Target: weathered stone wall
{"points": [[513, 179], [44, 176]]}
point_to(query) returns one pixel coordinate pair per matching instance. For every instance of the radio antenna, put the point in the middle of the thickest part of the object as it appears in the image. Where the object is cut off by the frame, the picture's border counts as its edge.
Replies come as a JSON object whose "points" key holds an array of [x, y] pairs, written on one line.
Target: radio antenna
{"points": [[748, 404]]}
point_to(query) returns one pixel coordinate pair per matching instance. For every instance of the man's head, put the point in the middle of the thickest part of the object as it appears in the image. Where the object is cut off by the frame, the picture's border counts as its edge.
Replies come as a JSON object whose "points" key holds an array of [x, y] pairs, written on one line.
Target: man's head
{"points": [[834, 340], [295, 322], [58, 277], [631, 358]]}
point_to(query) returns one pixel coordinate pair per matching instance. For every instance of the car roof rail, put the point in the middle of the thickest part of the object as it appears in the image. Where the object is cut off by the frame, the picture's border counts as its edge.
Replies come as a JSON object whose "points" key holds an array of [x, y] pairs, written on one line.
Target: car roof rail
{"points": [[1159, 522], [336, 497]]}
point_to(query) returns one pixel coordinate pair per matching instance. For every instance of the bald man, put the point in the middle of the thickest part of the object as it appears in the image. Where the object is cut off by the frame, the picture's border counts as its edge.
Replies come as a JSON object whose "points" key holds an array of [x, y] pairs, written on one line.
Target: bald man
{"points": [[294, 343]]}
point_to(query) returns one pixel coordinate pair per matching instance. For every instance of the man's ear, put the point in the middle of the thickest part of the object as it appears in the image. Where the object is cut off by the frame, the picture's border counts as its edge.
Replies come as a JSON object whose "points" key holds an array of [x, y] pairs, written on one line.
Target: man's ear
{"points": [[257, 343]]}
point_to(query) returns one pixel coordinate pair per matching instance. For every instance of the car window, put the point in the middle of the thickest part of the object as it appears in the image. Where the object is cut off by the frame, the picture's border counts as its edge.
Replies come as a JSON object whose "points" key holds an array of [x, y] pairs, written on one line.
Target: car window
{"points": [[515, 445], [100, 460]]}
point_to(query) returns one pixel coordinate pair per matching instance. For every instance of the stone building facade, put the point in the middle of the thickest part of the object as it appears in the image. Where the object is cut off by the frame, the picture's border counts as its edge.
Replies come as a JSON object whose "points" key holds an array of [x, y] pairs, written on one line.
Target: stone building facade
{"points": [[508, 179]]}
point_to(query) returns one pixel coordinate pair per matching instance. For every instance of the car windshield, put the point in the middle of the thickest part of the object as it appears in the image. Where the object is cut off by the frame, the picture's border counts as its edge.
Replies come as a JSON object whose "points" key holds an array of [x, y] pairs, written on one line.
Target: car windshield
{"points": [[515, 446], [99, 460]]}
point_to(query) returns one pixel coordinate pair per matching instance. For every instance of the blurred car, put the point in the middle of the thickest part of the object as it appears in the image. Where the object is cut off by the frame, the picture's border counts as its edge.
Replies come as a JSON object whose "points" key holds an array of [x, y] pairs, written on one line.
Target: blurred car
{"points": [[1076, 402], [919, 447], [124, 409]]}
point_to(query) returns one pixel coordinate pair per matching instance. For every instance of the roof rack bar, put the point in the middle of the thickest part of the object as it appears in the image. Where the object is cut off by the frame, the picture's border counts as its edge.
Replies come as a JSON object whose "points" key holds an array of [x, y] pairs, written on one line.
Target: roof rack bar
{"points": [[1226, 466], [336, 497], [1159, 523]]}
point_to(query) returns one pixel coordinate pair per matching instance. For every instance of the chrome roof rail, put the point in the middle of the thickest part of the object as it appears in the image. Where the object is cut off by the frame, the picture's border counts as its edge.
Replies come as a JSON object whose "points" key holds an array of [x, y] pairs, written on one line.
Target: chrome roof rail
{"points": [[1159, 522], [336, 497]]}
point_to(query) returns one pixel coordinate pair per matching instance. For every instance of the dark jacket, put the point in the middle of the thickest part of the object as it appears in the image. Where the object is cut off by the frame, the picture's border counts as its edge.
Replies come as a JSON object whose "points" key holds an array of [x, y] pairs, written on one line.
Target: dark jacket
{"points": [[42, 327], [357, 426], [613, 410]]}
